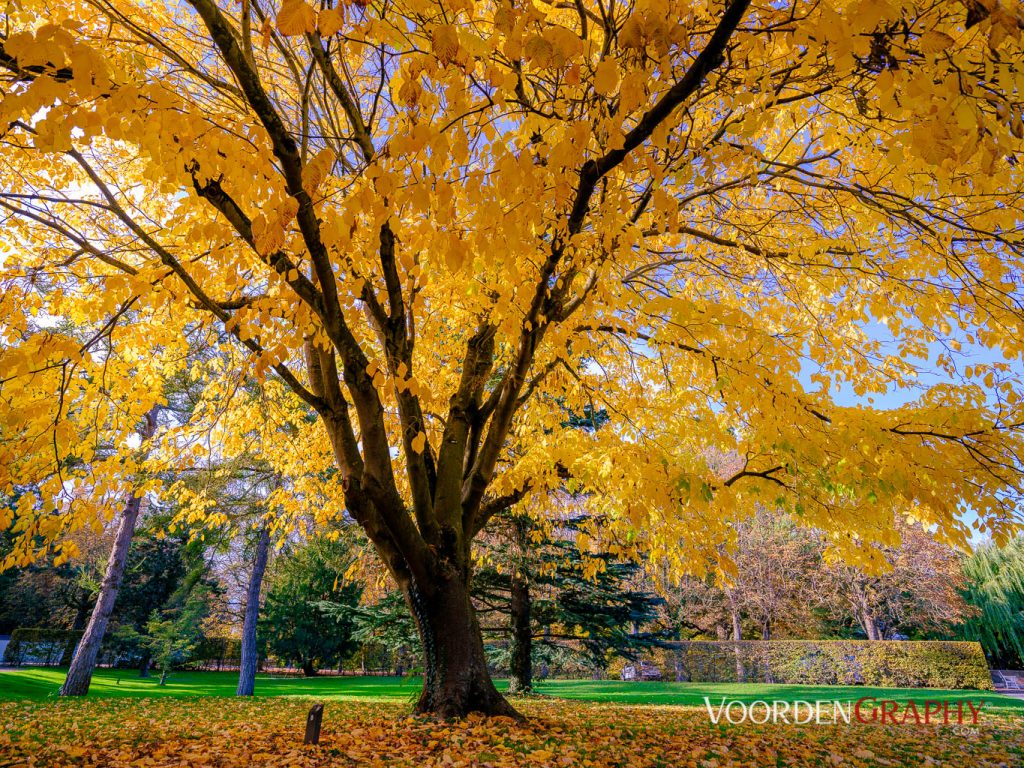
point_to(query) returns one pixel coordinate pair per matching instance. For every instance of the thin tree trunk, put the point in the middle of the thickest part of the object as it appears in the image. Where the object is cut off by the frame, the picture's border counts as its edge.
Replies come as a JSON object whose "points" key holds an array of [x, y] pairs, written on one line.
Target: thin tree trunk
{"points": [[456, 679], [520, 652], [247, 666], [84, 661], [737, 636]]}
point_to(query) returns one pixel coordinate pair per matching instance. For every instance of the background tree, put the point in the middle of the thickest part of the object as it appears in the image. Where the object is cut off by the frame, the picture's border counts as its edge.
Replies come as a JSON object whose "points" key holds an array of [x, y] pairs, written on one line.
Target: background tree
{"points": [[434, 227], [84, 660], [296, 625], [994, 587], [919, 595], [563, 595], [775, 585], [250, 649]]}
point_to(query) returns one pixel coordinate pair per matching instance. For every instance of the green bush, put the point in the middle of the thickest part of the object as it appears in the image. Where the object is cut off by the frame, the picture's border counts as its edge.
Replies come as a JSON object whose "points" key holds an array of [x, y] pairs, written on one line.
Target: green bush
{"points": [[884, 663], [39, 645]]}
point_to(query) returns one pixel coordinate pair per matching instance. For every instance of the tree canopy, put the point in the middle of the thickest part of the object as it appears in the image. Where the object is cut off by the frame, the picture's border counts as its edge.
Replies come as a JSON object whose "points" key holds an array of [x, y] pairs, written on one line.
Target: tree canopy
{"points": [[432, 228]]}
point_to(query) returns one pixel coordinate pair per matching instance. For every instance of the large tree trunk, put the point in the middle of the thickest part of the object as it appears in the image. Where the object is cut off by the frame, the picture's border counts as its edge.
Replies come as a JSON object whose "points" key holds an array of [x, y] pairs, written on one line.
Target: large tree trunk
{"points": [[308, 669], [84, 661], [520, 661], [247, 667], [456, 680]]}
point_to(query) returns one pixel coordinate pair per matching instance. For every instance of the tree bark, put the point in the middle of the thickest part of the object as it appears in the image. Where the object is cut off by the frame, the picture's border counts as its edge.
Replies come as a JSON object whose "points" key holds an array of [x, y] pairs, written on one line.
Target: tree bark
{"points": [[308, 669], [456, 680], [520, 652], [250, 655], [84, 661], [870, 628]]}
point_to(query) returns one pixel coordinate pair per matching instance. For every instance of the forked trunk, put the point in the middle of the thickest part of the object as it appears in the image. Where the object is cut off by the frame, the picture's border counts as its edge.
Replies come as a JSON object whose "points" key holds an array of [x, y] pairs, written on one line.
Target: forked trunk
{"points": [[456, 680]]}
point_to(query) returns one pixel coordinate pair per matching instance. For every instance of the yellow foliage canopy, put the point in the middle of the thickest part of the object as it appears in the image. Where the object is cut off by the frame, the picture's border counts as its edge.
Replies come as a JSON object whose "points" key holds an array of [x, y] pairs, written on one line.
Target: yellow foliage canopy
{"points": [[441, 233]]}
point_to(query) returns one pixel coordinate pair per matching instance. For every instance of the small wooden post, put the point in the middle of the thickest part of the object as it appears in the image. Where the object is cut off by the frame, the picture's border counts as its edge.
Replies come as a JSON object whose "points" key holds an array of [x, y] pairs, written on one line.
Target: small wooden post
{"points": [[313, 723]]}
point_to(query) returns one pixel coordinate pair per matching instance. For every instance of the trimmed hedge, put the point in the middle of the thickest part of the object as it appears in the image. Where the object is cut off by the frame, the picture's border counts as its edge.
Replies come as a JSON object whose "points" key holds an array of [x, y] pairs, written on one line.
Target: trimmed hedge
{"points": [[38, 645], [883, 663]]}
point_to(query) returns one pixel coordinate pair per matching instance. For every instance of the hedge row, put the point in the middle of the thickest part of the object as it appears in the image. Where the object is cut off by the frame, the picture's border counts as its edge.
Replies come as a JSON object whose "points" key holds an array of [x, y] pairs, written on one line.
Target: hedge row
{"points": [[885, 663]]}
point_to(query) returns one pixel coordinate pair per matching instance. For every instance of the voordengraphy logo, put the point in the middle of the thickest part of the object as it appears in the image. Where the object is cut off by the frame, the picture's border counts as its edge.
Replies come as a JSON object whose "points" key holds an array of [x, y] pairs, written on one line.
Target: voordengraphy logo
{"points": [[866, 710]]}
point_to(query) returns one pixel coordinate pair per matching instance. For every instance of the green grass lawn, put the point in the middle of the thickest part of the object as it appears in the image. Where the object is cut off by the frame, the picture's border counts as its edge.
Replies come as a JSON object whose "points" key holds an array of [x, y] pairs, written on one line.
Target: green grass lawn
{"points": [[41, 683]]}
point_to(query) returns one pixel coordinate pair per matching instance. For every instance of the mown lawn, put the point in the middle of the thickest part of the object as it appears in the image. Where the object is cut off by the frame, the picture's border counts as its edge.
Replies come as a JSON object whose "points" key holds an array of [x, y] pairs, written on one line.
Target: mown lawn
{"points": [[42, 683]]}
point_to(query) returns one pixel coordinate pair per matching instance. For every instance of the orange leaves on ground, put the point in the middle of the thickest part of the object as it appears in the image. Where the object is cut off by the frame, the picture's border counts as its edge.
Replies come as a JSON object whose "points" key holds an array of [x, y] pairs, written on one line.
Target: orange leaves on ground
{"points": [[224, 733]]}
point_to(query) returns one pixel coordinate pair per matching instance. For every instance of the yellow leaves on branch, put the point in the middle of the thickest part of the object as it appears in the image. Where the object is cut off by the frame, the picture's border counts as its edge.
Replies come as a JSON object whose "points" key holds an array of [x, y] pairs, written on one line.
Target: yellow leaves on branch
{"points": [[727, 278], [269, 229]]}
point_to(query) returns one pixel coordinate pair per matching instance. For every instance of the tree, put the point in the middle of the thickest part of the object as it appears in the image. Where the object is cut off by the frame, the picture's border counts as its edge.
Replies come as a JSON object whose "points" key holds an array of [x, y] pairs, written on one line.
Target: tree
{"points": [[994, 587], [562, 591], [296, 624], [84, 660], [917, 593], [436, 225], [173, 633], [250, 650], [776, 565]]}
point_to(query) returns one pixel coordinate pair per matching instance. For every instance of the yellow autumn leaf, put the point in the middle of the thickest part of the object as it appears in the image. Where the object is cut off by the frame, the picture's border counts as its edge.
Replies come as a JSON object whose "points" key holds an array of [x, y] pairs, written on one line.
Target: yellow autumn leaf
{"points": [[445, 43], [934, 41], [419, 442], [606, 77], [296, 17], [330, 21]]}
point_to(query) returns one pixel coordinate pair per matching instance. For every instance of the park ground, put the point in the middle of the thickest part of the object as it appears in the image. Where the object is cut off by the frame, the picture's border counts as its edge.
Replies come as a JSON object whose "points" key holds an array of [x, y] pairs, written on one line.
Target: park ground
{"points": [[195, 721]]}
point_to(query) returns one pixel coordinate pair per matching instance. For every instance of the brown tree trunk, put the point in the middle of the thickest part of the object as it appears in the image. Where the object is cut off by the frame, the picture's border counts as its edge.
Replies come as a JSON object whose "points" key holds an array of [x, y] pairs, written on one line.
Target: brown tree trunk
{"points": [[308, 669], [84, 661], [521, 649], [456, 680], [870, 628], [247, 665]]}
